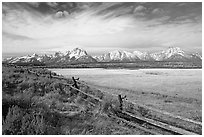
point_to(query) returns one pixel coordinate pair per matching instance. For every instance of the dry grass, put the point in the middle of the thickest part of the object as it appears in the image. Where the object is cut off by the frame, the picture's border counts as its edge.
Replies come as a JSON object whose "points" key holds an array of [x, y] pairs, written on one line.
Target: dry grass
{"points": [[178, 91]]}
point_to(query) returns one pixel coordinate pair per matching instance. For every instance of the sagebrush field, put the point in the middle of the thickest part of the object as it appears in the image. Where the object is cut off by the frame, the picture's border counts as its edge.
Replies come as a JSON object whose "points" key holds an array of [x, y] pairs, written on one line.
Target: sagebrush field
{"points": [[36, 103]]}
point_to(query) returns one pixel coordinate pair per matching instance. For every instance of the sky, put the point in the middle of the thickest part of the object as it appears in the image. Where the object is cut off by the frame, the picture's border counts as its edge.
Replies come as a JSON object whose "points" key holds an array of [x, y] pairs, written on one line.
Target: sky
{"points": [[100, 27]]}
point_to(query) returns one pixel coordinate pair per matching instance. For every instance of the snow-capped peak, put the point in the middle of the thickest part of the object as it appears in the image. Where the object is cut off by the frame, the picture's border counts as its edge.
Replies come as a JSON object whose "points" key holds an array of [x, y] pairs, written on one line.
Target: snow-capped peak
{"points": [[122, 55], [117, 55], [173, 50], [141, 55], [77, 53], [34, 55], [200, 56], [197, 55], [165, 54]]}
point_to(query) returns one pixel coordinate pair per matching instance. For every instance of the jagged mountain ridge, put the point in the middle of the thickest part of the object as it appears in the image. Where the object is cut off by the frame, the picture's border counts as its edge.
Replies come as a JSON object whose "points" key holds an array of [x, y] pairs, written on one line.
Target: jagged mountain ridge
{"points": [[117, 56], [171, 54], [166, 54], [78, 55], [74, 56]]}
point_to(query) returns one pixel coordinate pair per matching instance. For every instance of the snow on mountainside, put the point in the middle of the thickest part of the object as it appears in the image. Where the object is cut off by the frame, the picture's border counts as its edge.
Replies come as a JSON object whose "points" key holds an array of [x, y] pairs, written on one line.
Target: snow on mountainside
{"points": [[175, 54], [197, 55], [171, 54], [142, 55], [25, 59], [117, 56], [75, 55], [78, 55], [165, 54]]}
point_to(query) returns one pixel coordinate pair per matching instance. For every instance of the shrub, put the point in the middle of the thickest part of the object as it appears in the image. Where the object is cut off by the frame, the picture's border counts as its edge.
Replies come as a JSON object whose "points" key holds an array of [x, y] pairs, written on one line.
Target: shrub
{"points": [[33, 124], [33, 121], [109, 105], [12, 123], [143, 111], [24, 85]]}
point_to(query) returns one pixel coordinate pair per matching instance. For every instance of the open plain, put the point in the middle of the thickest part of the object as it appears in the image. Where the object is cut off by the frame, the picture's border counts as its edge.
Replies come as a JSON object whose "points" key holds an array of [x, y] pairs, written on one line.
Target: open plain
{"points": [[177, 91]]}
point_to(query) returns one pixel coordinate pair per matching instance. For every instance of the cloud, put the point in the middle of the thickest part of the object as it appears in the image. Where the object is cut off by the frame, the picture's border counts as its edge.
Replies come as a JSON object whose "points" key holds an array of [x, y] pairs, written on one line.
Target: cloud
{"points": [[34, 4], [15, 37], [158, 11], [61, 14], [85, 23], [98, 26], [181, 4], [139, 8], [52, 4]]}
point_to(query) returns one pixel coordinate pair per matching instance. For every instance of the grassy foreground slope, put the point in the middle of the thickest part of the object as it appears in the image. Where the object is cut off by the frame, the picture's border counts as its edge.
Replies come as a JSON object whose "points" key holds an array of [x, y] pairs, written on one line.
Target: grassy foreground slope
{"points": [[37, 104]]}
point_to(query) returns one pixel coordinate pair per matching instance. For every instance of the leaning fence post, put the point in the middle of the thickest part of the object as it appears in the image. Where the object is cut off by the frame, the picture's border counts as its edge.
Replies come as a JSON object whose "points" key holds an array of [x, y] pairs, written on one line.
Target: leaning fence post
{"points": [[50, 74], [120, 98], [75, 82]]}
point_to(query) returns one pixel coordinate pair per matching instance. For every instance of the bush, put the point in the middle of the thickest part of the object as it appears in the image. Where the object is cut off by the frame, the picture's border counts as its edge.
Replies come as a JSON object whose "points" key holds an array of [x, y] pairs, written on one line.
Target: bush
{"points": [[143, 111], [110, 105], [33, 121], [12, 123], [24, 85], [33, 125]]}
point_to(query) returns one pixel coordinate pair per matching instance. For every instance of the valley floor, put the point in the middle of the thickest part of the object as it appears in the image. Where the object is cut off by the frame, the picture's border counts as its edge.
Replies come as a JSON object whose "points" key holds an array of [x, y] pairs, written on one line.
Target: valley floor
{"points": [[178, 91]]}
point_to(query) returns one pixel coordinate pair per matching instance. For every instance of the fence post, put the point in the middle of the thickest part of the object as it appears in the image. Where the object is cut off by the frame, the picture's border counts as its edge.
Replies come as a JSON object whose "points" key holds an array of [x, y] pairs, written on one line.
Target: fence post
{"points": [[120, 98], [50, 74], [75, 82]]}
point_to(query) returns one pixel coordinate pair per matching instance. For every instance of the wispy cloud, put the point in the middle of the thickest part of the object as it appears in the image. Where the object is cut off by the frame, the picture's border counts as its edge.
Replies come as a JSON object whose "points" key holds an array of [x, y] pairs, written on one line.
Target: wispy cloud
{"points": [[48, 26]]}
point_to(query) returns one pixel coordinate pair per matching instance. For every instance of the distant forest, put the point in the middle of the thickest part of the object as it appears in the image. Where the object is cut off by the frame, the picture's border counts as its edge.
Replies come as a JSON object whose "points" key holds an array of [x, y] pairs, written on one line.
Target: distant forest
{"points": [[130, 65]]}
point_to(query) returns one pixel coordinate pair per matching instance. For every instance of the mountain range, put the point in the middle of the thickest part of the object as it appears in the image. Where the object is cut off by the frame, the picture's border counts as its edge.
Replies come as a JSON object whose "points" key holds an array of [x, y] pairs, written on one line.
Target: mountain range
{"points": [[78, 55]]}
